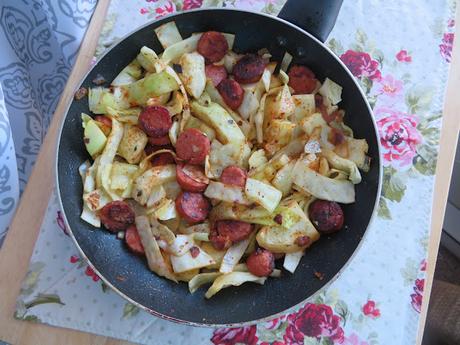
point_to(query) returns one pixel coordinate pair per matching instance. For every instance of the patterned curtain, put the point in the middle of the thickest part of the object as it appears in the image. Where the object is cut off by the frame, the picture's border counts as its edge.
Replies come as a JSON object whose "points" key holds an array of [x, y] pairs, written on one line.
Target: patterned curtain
{"points": [[39, 40]]}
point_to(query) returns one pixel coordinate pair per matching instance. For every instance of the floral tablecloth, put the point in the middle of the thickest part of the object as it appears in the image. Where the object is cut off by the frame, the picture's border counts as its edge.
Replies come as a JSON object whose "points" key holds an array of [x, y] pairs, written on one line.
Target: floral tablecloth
{"points": [[400, 53]]}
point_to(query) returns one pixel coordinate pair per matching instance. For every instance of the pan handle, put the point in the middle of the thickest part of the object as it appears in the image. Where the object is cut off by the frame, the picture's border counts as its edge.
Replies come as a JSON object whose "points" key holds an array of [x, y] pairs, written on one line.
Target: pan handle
{"points": [[314, 16]]}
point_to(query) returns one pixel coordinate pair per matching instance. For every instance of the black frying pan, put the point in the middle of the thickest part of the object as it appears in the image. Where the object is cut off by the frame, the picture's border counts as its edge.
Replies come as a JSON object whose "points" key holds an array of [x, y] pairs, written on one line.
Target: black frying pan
{"points": [[249, 302]]}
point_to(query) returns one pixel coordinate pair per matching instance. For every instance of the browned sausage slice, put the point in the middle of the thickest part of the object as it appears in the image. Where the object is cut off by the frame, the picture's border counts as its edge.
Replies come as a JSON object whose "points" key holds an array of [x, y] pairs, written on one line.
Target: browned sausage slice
{"points": [[234, 175], [249, 69], [216, 73], [231, 92], [302, 79], [226, 232], [326, 216], [192, 146], [116, 216], [213, 46], [133, 240], [155, 121], [160, 141], [193, 207], [163, 158], [104, 119], [191, 177], [261, 263]]}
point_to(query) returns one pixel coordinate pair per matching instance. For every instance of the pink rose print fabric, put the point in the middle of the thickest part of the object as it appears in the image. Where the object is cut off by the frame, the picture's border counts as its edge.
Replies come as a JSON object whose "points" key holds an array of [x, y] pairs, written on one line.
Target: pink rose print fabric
{"points": [[234, 336], [361, 64], [399, 137]]}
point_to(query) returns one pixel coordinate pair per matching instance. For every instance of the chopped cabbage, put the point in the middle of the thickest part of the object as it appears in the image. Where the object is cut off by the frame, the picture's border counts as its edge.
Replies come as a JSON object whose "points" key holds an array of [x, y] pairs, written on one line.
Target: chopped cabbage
{"points": [[132, 144], [343, 164], [156, 196], [128, 75], [257, 159], [332, 91], [287, 59], [320, 186], [155, 259], [168, 34], [193, 75], [283, 178], [292, 260], [153, 85], [201, 279], [100, 98], [228, 193], [94, 138], [263, 194], [232, 279], [166, 210], [186, 262], [152, 177], [233, 256]]}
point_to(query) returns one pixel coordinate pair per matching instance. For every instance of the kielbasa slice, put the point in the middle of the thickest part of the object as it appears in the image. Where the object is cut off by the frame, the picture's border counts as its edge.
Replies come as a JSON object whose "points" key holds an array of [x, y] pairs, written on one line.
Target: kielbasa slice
{"points": [[234, 175], [160, 141], [261, 263], [116, 216], [193, 146], [326, 216], [231, 92], [155, 121], [191, 177], [104, 120], [193, 207], [302, 79], [213, 46], [133, 240], [226, 232], [163, 158], [249, 69], [216, 73]]}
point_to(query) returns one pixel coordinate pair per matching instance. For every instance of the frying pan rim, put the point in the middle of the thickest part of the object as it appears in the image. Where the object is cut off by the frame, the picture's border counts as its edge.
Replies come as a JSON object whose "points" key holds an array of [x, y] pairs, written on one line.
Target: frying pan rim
{"points": [[266, 318]]}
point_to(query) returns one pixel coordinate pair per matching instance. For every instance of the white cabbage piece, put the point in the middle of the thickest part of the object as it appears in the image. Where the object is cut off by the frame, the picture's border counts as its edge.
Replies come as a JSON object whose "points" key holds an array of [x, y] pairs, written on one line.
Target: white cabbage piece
{"points": [[263, 194], [181, 244], [130, 116], [155, 259], [343, 164], [287, 59], [168, 34], [197, 228], [257, 159], [166, 210], [132, 144], [107, 156], [292, 260], [283, 178], [152, 177], [320, 186], [186, 262], [122, 175], [129, 74], [201, 279], [90, 217], [332, 91], [96, 199], [232, 279], [233, 256], [193, 73], [157, 195], [149, 60], [228, 193]]}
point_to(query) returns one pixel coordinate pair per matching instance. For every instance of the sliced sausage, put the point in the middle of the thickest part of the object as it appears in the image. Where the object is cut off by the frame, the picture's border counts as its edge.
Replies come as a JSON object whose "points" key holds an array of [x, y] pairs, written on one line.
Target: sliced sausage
{"points": [[155, 121], [116, 216], [326, 216], [192, 146], [231, 92], [302, 79], [104, 120], [191, 177], [193, 207], [163, 158], [249, 69], [164, 140], [261, 263], [149, 148], [133, 240], [234, 175], [216, 73], [226, 232], [213, 46]]}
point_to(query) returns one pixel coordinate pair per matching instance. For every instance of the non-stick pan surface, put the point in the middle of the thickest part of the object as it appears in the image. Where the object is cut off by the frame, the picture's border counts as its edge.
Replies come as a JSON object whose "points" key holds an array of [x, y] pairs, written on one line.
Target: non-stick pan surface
{"points": [[129, 274]]}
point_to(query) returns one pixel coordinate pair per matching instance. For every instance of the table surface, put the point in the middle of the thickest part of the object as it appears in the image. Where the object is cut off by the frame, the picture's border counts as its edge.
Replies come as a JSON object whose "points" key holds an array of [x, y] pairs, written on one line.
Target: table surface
{"points": [[26, 223]]}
